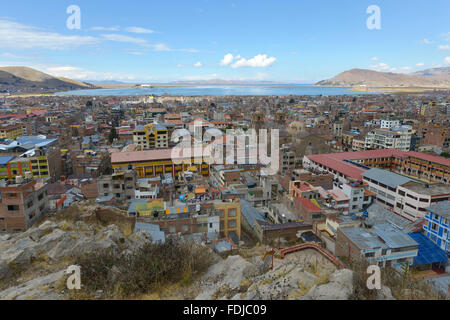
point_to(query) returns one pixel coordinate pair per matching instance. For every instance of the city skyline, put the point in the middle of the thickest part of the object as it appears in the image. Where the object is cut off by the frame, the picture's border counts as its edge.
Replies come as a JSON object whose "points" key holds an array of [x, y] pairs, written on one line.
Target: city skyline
{"points": [[295, 41]]}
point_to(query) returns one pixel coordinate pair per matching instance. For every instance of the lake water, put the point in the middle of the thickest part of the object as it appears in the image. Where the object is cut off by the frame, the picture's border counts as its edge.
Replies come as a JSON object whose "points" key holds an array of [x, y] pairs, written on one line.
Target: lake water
{"points": [[278, 90]]}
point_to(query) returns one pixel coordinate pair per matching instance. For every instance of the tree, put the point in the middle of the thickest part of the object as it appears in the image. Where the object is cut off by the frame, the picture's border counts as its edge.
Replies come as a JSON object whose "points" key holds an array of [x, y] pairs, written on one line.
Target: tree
{"points": [[113, 134], [445, 154]]}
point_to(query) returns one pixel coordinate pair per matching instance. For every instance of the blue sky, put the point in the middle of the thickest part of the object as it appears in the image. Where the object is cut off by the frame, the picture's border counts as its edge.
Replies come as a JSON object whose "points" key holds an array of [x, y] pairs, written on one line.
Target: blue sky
{"points": [[298, 41]]}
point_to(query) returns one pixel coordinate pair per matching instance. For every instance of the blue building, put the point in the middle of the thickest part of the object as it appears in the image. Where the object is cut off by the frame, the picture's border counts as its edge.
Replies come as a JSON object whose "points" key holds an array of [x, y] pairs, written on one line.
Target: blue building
{"points": [[437, 225]]}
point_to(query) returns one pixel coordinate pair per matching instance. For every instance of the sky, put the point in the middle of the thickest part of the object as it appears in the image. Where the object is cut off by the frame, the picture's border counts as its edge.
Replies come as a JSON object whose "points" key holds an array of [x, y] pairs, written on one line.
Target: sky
{"points": [[292, 41]]}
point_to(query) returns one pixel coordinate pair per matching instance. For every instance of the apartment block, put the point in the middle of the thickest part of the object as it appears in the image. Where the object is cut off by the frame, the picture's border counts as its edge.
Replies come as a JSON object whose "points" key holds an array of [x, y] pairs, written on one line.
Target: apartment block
{"points": [[403, 195], [396, 137], [437, 225], [21, 203]]}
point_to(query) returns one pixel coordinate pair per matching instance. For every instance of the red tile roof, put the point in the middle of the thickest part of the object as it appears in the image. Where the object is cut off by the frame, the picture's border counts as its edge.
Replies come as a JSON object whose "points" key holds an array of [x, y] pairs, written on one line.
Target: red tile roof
{"points": [[336, 161], [308, 205]]}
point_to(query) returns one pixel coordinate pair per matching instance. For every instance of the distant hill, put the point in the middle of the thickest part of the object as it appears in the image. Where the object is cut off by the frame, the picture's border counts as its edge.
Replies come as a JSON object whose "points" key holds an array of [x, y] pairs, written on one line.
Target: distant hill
{"points": [[222, 82], [24, 79], [438, 77], [435, 74], [105, 82]]}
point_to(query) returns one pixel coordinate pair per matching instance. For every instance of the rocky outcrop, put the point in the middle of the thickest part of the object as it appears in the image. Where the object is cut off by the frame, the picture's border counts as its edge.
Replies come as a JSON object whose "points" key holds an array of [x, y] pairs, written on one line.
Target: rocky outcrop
{"points": [[53, 245]]}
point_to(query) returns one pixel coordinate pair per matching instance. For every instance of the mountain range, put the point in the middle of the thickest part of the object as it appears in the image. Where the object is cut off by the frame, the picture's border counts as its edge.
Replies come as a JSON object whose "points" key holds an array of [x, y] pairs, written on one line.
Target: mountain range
{"points": [[436, 77], [27, 80]]}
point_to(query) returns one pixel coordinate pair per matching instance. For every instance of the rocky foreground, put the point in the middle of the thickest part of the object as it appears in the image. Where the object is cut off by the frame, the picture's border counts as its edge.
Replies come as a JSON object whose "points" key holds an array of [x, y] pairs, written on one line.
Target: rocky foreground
{"points": [[33, 264]]}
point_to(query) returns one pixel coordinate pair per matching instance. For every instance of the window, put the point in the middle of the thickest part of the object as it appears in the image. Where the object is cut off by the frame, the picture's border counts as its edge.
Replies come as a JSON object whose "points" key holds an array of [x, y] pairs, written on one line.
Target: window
{"points": [[232, 212], [400, 192], [185, 228], [105, 185], [13, 207], [434, 227], [221, 213], [232, 224]]}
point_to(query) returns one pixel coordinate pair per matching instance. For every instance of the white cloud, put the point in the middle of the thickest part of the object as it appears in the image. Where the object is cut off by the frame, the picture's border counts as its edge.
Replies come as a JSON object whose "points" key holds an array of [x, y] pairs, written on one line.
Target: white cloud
{"points": [[425, 41], [227, 59], [198, 64], [446, 36], [374, 59], [125, 39], [116, 28], [258, 61], [62, 69], [420, 64], [180, 65], [380, 67], [81, 74], [384, 67], [136, 53], [19, 36], [139, 30], [165, 47], [444, 47], [447, 60]]}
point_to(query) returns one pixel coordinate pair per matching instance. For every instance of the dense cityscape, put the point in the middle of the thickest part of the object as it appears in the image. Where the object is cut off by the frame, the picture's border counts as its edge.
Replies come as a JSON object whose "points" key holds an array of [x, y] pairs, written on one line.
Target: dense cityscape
{"points": [[358, 176], [221, 159]]}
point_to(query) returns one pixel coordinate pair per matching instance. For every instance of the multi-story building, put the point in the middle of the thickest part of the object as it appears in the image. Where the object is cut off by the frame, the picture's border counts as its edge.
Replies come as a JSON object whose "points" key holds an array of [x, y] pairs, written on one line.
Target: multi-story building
{"points": [[146, 189], [437, 225], [21, 204], [396, 137], [349, 166], [383, 245], [151, 136], [120, 186], [359, 197], [287, 159], [11, 131], [403, 195], [389, 123], [160, 162], [230, 218]]}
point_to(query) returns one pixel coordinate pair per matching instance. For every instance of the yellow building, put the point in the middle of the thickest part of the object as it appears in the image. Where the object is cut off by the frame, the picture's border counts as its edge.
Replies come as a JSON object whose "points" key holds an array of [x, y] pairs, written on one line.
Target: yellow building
{"points": [[11, 131], [38, 166], [151, 163], [230, 217], [151, 136]]}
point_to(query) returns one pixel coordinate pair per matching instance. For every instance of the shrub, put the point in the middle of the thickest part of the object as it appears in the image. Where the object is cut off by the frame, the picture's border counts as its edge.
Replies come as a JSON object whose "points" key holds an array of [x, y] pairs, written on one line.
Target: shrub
{"points": [[148, 269]]}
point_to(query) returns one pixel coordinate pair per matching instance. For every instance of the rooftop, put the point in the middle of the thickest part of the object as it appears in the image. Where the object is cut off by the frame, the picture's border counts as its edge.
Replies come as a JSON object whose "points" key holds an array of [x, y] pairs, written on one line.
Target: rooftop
{"points": [[441, 208], [388, 178]]}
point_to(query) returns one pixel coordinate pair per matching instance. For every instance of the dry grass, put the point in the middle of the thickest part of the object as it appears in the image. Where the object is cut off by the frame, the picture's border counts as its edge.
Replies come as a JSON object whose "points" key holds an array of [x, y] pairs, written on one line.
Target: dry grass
{"points": [[403, 286], [153, 267]]}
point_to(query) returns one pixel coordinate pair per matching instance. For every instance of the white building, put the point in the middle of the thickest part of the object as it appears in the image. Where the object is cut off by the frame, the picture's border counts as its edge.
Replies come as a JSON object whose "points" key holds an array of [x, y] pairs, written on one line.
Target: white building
{"points": [[389, 124], [358, 197], [394, 138], [402, 195]]}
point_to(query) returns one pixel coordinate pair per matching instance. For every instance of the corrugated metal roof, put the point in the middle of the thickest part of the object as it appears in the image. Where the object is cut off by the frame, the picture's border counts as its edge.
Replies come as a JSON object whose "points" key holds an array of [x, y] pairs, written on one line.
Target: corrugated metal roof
{"points": [[388, 178], [441, 208]]}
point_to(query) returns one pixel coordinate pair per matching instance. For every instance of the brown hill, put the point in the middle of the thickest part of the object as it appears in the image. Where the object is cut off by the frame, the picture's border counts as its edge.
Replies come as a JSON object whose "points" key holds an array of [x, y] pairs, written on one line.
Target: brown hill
{"points": [[370, 78], [24, 79]]}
